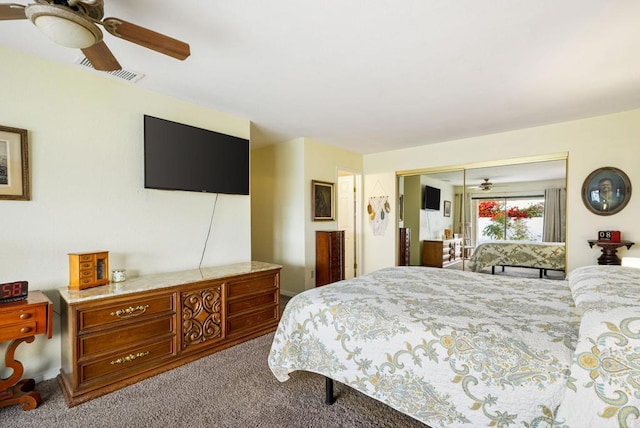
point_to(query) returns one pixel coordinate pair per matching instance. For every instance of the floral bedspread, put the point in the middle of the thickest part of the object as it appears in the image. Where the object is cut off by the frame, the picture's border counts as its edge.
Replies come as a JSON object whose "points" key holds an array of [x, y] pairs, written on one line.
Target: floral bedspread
{"points": [[542, 255], [606, 366], [449, 348]]}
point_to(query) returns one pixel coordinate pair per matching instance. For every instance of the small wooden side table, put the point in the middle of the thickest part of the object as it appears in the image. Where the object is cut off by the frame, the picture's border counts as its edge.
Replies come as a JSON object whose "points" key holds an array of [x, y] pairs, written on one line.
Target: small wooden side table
{"points": [[609, 250], [20, 322]]}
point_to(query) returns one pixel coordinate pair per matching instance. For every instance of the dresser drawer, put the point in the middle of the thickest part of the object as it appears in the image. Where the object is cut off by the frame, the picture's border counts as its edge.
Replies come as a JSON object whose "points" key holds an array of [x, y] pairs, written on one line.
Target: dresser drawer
{"points": [[86, 265], [16, 331], [121, 365], [251, 286], [86, 258], [121, 338], [252, 303], [23, 323], [252, 322], [137, 309], [86, 273]]}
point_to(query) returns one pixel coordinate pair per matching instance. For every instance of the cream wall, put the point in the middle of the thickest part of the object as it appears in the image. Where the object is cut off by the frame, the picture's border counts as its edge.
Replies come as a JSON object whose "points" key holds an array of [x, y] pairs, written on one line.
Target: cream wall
{"points": [[86, 161], [322, 162], [277, 206], [610, 140], [282, 227]]}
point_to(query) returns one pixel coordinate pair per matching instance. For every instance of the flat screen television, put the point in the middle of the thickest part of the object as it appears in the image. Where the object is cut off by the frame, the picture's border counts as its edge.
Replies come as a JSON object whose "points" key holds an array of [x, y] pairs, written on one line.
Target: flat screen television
{"points": [[183, 157], [430, 198]]}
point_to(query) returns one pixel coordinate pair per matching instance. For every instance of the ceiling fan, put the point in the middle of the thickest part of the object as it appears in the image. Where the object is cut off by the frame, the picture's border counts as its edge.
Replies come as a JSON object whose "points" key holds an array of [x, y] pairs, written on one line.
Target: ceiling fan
{"points": [[74, 24], [485, 186]]}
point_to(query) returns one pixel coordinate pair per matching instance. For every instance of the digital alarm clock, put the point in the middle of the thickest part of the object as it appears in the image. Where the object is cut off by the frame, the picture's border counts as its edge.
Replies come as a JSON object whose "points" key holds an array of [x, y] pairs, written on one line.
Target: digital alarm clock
{"points": [[14, 291]]}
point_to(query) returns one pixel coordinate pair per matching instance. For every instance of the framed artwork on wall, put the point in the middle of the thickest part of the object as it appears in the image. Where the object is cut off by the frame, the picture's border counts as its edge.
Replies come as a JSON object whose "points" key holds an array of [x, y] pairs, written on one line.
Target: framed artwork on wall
{"points": [[447, 209], [322, 205], [606, 191], [14, 164]]}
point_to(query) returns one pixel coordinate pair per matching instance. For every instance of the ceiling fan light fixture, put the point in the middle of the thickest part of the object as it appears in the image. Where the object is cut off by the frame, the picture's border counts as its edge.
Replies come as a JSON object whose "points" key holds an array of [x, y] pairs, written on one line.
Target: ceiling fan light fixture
{"points": [[63, 26], [486, 186]]}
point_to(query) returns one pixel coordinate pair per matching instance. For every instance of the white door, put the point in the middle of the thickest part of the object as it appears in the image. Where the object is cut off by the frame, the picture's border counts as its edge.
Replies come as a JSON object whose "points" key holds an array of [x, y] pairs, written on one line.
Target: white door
{"points": [[346, 220]]}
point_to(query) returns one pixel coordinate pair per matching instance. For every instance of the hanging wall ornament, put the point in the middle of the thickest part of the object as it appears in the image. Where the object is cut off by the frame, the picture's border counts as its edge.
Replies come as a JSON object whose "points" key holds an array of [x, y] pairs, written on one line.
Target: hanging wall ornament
{"points": [[379, 209]]}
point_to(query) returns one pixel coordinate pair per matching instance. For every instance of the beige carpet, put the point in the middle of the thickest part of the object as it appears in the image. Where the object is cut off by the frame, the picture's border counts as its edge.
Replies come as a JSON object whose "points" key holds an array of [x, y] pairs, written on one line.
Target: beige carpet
{"points": [[232, 388]]}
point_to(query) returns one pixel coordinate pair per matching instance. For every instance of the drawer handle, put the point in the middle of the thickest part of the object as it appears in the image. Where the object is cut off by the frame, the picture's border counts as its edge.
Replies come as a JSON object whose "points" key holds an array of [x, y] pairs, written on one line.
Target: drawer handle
{"points": [[25, 329], [129, 357], [130, 311], [25, 316]]}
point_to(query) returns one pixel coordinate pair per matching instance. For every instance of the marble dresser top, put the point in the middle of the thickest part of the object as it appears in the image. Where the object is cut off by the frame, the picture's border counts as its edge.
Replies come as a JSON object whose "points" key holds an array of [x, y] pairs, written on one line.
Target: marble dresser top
{"points": [[163, 280]]}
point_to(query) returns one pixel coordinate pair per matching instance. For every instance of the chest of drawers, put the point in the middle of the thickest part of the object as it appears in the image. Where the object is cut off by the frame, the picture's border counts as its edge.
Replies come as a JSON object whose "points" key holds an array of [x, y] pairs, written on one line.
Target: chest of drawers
{"points": [[114, 336], [441, 253], [329, 256], [88, 269]]}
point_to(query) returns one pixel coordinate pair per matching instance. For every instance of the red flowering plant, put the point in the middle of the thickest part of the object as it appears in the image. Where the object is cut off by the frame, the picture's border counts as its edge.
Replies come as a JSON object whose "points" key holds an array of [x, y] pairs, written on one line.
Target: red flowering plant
{"points": [[507, 222]]}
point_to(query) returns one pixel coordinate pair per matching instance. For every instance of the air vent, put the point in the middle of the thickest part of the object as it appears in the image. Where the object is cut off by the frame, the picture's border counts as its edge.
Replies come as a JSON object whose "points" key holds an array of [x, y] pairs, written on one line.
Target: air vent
{"points": [[128, 75]]}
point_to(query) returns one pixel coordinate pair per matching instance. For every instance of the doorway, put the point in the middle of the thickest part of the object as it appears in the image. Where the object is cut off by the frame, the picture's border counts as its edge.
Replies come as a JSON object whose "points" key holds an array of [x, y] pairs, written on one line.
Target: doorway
{"points": [[348, 195]]}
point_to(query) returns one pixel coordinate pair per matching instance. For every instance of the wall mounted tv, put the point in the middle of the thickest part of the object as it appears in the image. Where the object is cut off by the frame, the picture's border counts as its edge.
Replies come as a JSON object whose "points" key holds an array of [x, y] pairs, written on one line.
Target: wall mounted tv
{"points": [[183, 157], [430, 198]]}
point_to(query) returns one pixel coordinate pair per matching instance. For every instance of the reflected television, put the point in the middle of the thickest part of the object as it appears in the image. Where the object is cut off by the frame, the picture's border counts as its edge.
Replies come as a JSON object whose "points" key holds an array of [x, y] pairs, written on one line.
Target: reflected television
{"points": [[430, 198]]}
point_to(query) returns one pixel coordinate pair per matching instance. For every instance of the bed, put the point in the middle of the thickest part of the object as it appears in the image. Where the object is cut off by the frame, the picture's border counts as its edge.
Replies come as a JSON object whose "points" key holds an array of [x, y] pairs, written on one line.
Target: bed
{"points": [[455, 348], [539, 255]]}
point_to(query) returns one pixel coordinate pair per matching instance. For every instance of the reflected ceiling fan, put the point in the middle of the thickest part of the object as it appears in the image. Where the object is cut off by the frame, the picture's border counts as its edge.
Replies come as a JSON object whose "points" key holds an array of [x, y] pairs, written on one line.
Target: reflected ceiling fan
{"points": [[485, 186], [74, 24]]}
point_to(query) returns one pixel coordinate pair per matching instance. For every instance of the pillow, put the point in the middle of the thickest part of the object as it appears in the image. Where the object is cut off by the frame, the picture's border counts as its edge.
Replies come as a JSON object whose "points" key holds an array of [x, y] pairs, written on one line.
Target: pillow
{"points": [[603, 389], [604, 383], [604, 287]]}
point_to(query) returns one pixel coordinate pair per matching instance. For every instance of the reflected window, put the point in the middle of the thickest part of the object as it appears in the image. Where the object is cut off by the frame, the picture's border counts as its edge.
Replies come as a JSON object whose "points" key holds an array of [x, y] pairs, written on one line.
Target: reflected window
{"points": [[509, 218]]}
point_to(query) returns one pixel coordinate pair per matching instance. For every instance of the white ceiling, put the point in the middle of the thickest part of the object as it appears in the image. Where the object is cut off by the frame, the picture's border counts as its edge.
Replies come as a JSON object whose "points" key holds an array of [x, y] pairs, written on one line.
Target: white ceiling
{"points": [[506, 174], [374, 75]]}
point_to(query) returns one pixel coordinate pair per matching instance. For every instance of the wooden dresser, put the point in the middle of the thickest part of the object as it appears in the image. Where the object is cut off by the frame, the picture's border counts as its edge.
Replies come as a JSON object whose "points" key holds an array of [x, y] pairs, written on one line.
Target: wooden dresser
{"points": [[118, 334], [329, 256], [404, 246], [441, 253]]}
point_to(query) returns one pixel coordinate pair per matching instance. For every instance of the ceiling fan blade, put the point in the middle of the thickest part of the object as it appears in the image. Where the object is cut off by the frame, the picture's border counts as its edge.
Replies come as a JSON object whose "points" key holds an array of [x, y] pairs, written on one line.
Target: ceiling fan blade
{"points": [[101, 57], [11, 11], [147, 38]]}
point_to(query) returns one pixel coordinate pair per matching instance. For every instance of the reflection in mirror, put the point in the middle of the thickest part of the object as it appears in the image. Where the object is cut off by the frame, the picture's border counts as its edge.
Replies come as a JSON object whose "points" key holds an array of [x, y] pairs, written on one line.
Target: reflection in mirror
{"points": [[517, 210], [424, 217]]}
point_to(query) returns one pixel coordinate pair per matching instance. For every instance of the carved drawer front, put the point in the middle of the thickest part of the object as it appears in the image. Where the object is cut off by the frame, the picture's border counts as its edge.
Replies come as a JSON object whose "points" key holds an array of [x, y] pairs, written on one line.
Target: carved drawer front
{"points": [[202, 315], [122, 364], [23, 323], [252, 303], [250, 322], [251, 286], [133, 309], [122, 338]]}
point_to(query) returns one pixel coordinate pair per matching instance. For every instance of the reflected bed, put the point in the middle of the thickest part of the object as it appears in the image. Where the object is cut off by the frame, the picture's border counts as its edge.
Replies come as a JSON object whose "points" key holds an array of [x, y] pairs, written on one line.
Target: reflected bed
{"points": [[538, 255]]}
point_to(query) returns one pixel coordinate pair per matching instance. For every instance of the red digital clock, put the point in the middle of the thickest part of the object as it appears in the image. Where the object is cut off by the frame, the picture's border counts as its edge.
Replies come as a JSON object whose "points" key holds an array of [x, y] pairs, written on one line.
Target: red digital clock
{"points": [[13, 291]]}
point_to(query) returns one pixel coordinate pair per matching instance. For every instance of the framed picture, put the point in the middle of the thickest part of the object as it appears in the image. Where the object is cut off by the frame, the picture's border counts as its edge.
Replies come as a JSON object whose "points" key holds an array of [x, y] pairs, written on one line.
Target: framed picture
{"points": [[606, 191], [322, 206], [14, 164], [447, 208]]}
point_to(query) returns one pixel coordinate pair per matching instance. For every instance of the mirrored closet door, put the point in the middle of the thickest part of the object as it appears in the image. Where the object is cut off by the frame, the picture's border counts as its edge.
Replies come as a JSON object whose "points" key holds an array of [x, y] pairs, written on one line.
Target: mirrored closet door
{"points": [[447, 214]]}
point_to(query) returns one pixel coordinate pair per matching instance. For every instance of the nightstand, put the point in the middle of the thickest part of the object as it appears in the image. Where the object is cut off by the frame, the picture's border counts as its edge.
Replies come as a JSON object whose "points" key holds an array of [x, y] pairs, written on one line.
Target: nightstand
{"points": [[20, 322], [609, 250]]}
